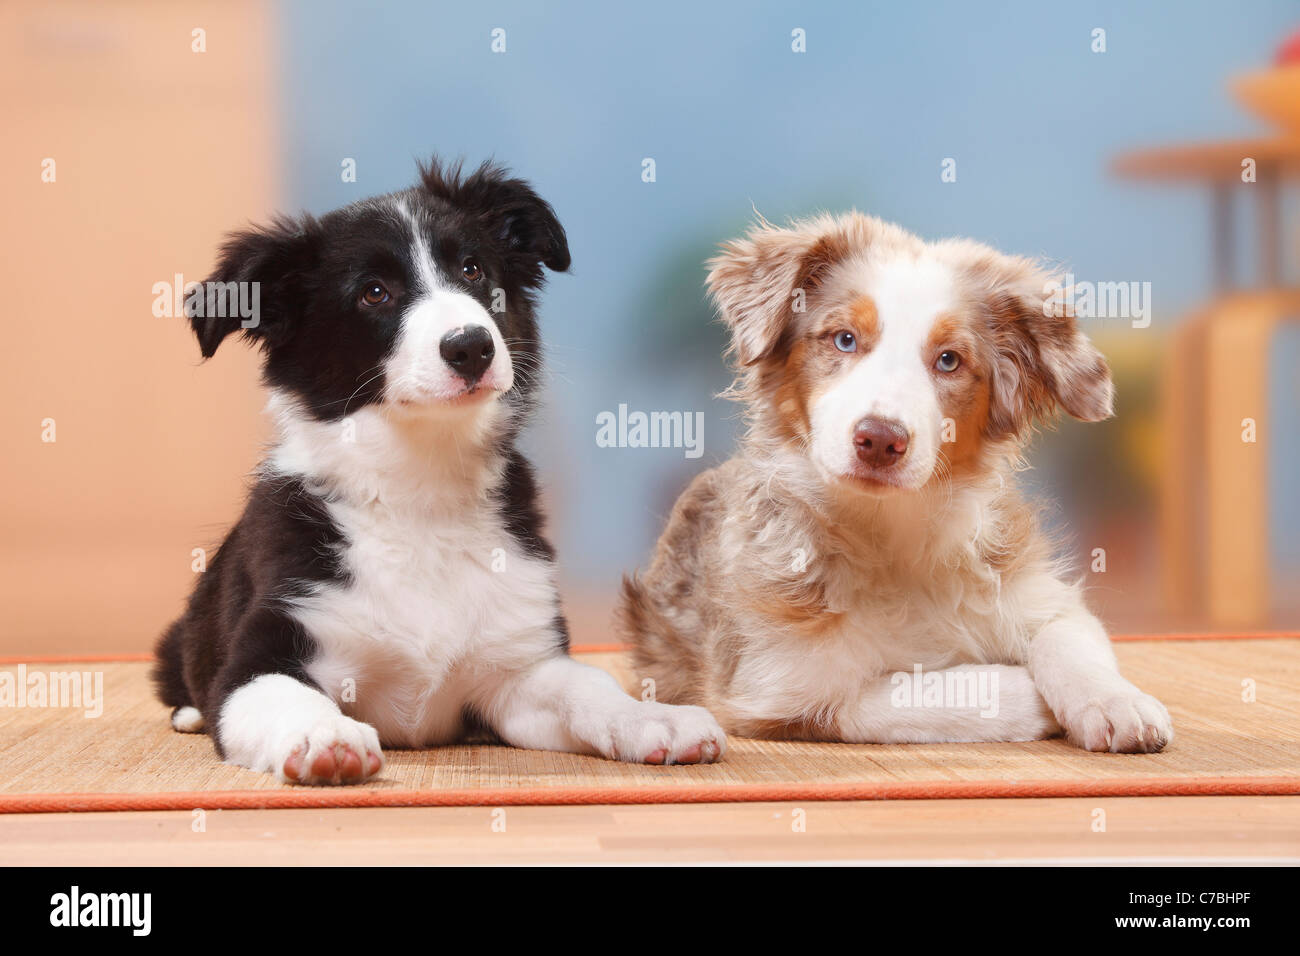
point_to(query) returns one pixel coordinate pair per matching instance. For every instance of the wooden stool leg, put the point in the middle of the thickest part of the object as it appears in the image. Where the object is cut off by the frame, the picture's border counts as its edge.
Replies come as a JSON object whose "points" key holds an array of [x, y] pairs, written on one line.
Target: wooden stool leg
{"points": [[1182, 479], [1237, 501]]}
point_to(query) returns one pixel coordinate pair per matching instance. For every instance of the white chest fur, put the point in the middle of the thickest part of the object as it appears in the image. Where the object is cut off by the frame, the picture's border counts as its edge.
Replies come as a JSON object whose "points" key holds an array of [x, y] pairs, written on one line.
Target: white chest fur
{"points": [[438, 597], [911, 589], [431, 608]]}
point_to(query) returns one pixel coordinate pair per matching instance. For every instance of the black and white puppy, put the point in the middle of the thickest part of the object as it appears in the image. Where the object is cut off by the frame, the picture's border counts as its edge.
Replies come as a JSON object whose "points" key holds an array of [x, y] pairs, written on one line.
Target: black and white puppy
{"points": [[388, 582]]}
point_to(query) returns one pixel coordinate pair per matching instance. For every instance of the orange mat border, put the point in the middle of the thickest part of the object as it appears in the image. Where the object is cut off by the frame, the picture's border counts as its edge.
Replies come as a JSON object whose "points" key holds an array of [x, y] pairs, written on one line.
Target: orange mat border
{"points": [[614, 648], [1208, 636], [343, 797]]}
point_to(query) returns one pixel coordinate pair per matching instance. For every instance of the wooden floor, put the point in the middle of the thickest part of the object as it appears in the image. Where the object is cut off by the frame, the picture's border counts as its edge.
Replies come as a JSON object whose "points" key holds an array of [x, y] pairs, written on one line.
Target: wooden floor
{"points": [[1163, 830]]}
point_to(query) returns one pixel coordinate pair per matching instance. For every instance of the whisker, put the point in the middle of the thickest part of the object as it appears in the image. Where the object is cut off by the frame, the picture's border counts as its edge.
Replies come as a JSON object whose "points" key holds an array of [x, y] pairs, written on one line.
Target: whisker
{"points": [[343, 401]]}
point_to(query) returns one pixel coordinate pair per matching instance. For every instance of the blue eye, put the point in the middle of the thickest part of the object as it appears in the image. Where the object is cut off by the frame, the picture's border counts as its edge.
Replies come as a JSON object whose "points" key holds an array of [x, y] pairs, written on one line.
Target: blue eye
{"points": [[845, 342], [948, 362]]}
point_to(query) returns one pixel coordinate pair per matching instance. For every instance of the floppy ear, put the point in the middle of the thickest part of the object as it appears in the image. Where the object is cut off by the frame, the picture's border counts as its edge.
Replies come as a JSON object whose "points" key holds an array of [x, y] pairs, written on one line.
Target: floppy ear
{"points": [[511, 210], [1042, 359], [256, 288], [754, 280]]}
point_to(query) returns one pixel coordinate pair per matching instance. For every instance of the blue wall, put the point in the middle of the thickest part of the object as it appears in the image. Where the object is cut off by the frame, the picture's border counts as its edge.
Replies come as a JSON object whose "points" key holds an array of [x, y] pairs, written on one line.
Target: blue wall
{"points": [[733, 118]]}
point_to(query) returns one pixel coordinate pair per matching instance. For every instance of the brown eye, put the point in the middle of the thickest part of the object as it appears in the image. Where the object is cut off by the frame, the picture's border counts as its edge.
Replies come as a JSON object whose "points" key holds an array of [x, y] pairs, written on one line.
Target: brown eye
{"points": [[374, 294], [471, 271]]}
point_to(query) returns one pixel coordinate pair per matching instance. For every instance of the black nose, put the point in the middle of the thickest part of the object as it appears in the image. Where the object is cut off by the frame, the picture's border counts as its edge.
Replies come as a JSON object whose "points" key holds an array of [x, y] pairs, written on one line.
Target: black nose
{"points": [[881, 443], [468, 351]]}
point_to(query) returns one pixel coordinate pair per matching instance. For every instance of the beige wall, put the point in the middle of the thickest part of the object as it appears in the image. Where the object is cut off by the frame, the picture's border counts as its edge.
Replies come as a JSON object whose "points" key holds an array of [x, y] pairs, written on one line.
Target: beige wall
{"points": [[159, 150]]}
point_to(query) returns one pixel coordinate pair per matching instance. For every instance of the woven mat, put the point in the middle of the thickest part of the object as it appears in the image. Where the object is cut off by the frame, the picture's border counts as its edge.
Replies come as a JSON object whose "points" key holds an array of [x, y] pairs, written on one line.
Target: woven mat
{"points": [[128, 758]]}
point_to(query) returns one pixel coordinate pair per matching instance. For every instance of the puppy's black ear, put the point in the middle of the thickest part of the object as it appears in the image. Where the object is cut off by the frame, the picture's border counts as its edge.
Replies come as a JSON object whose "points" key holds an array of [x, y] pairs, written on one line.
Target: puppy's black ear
{"points": [[511, 210], [257, 287]]}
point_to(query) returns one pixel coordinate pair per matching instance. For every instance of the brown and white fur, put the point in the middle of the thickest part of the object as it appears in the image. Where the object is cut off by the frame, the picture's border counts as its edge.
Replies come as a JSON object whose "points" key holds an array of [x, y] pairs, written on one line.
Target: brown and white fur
{"points": [[870, 522]]}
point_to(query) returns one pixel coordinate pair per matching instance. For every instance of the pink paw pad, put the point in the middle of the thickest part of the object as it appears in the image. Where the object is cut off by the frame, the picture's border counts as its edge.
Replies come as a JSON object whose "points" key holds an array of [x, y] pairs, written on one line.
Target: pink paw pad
{"points": [[706, 751], [335, 764]]}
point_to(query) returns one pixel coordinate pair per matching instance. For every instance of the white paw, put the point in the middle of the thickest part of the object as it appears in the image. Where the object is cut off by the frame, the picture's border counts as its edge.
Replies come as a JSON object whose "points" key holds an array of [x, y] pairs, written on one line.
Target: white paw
{"points": [[1120, 719], [187, 720], [337, 750], [650, 732], [278, 725]]}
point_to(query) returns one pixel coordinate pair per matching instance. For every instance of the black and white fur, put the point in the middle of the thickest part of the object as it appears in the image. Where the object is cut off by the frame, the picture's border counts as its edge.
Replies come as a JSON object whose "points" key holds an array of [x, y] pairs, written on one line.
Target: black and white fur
{"points": [[388, 582]]}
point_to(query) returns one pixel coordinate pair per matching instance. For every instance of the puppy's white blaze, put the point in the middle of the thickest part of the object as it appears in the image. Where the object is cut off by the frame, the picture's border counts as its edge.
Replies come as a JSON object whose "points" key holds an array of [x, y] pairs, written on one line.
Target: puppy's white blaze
{"points": [[416, 371], [426, 275], [893, 381]]}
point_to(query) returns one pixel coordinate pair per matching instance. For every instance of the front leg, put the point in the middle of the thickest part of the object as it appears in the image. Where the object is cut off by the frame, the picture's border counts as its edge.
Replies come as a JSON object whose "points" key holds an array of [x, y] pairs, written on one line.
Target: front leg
{"points": [[561, 704], [977, 702], [1075, 668], [277, 724], [270, 718]]}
